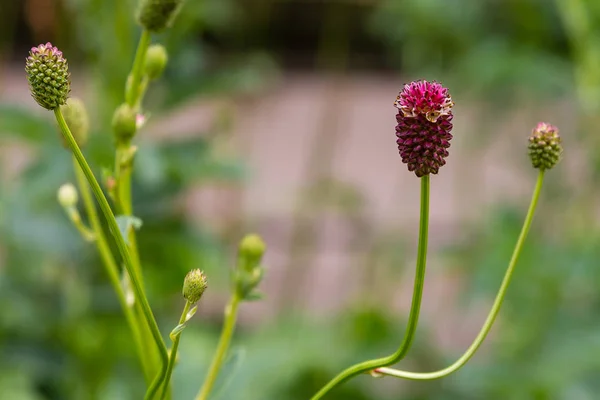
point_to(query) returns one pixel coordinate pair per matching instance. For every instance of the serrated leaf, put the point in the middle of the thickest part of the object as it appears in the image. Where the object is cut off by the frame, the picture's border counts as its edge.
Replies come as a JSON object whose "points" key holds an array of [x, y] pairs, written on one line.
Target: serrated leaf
{"points": [[126, 222]]}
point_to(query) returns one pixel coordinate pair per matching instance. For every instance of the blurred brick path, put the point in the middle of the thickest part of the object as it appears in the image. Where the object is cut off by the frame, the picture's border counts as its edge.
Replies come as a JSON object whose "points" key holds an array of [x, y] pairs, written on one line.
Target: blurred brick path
{"points": [[278, 132]]}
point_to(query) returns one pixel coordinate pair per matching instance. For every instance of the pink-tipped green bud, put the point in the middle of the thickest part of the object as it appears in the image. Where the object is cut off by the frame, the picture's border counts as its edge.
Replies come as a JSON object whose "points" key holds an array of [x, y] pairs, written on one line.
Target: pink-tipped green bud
{"points": [[76, 116], [124, 123], [156, 15], [48, 76], [545, 147], [194, 285], [424, 124], [156, 61]]}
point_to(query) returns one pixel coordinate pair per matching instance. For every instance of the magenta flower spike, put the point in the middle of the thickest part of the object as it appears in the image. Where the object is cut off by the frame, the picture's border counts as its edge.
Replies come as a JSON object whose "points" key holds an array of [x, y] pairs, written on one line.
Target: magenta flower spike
{"points": [[424, 124]]}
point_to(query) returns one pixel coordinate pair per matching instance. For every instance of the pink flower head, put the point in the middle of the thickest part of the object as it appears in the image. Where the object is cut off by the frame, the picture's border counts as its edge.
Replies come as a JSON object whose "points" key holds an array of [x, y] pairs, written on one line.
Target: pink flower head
{"points": [[424, 124]]}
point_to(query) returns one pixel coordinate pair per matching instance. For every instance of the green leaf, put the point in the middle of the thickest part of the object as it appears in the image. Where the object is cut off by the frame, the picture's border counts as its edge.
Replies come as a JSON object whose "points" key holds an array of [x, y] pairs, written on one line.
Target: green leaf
{"points": [[191, 313], [176, 331], [228, 371], [126, 222], [255, 296]]}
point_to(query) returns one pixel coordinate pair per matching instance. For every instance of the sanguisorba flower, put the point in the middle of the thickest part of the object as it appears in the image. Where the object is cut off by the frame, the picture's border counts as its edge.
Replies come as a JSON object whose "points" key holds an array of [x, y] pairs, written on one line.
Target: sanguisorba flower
{"points": [[48, 76], [545, 148], [424, 124]]}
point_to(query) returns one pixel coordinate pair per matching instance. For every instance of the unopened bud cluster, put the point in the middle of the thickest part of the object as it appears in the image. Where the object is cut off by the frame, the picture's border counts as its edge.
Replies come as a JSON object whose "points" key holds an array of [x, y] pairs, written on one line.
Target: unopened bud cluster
{"points": [[545, 148], [194, 285], [48, 76], [249, 272], [156, 15]]}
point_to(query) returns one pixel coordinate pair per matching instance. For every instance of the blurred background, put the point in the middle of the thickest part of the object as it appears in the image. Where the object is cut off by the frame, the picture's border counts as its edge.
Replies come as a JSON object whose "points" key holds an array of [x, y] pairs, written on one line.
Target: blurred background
{"points": [[277, 117]]}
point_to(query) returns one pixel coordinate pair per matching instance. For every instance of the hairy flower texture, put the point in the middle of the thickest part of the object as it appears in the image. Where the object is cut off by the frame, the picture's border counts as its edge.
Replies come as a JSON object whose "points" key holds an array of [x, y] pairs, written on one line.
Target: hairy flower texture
{"points": [[156, 15], [48, 76], [545, 147], [194, 285], [424, 124]]}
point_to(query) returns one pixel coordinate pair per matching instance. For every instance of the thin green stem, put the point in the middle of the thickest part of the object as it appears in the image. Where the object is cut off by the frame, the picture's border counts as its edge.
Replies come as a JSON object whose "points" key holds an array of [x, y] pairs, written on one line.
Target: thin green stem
{"points": [[110, 265], [226, 334], [493, 312], [173, 355], [133, 86], [122, 246], [415, 307], [86, 233]]}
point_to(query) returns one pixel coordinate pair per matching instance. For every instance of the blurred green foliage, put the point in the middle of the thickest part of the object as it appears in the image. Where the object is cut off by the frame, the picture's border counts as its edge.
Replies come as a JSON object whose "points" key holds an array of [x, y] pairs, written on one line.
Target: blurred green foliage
{"points": [[62, 335]]}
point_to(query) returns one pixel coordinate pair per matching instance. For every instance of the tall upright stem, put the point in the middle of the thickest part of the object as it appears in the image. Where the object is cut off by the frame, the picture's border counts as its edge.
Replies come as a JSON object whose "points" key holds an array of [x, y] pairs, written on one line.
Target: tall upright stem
{"points": [[173, 355], [495, 308], [135, 78], [415, 307], [121, 245], [225, 339], [110, 265]]}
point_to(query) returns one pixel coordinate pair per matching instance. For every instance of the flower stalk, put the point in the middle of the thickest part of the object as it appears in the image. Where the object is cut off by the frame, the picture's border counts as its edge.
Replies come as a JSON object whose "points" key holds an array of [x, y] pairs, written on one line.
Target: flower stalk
{"points": [[123, 250], [489, 322], [415, 307]]}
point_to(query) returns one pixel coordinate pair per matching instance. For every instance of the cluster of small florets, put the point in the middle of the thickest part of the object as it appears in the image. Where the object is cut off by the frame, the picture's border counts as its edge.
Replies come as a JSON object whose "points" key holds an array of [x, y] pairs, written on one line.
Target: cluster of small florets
{"points": [[48, 76], [545, 147], [424, 124], [156, 15]]}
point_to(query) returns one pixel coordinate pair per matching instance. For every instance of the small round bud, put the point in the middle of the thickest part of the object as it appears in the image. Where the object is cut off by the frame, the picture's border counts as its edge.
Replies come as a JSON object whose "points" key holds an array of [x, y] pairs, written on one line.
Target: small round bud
{"points": [[251, 250], [48, 76], [156, 15], [76, 116], [156, 61], [545, 147], [124, 123], [194, 285], [67, 195]]}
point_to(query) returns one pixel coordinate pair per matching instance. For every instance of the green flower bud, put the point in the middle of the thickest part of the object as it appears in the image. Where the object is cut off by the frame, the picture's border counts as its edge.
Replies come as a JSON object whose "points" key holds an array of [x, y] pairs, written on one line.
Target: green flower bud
{"points": [[48, 76], [67, 195], [156, 61], [124, 123], [194, 285], [156, 15], [76, 116], [251, 250], [545, 147]]}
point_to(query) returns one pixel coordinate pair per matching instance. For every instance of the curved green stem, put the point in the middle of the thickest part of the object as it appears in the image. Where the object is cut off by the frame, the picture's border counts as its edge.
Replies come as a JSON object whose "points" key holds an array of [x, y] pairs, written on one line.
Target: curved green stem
{"points": [[495, 308], [226, 334], [415, 307], [135, 78], [122, 246], [173, 355], [110, 265]]}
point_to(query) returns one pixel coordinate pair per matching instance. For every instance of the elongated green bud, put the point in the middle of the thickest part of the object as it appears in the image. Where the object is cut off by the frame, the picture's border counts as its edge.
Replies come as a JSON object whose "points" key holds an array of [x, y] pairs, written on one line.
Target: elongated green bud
{"points": [[545, 148], [156, 61], [48, 76], [156, 15], [77, 119], [194, 285], [124, 123]]}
